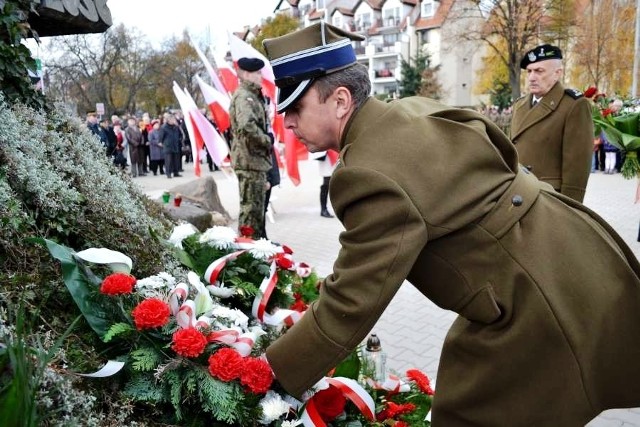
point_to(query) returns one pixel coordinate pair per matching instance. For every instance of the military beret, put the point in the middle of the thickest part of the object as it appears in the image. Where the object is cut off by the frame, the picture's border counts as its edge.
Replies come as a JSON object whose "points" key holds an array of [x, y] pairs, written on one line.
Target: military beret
{"points": [[250, 64], [299, 57], [540, 53]]}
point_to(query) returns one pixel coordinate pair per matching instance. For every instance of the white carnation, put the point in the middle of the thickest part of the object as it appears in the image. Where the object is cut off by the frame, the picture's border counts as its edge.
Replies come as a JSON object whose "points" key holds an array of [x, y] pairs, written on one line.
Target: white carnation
{"points": [[180, 233], [157, 286], [234, 316], [273, 407], [263, 249], [219, 237]]}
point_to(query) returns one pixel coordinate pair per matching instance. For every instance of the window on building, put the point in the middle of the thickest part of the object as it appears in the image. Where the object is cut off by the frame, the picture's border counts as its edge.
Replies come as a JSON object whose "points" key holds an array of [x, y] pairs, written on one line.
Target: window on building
{"points": [[425, 36], [389, 39], [363, 21], [391, 16], [428, 8]]}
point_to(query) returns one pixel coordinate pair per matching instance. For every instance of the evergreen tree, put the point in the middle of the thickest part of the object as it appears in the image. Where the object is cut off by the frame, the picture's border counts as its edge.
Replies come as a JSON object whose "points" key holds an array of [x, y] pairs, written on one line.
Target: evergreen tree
{"points": [[419, 78]]}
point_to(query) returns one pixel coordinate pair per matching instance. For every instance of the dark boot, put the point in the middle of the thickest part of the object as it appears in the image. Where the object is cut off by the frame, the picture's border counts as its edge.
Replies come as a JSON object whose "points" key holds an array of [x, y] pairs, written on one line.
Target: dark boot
{"points": [[324, 192]]}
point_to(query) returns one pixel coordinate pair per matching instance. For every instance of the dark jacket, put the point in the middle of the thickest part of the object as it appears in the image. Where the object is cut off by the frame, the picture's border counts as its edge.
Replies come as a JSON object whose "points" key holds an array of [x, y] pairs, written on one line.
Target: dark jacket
{"points": [[171, 138]]}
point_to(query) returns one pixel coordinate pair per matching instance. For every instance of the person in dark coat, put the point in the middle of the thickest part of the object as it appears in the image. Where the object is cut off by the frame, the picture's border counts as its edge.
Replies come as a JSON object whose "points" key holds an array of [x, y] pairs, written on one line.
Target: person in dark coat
{"points": [[548, 294], [155, 149], [552, 127], [170, 136]]}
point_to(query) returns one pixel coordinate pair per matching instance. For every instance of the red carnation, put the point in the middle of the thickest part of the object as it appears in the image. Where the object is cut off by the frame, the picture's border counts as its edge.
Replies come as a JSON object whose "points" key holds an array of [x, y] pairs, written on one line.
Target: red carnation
{"points": [[330, 403], [226, 364], [287, 249], [606, 112], [118, 284], [283, 261], [256, 375], [421, 380], [246, 230], [400, 424], [188, 342], [592, 90], [151, 313], [299, 304]]}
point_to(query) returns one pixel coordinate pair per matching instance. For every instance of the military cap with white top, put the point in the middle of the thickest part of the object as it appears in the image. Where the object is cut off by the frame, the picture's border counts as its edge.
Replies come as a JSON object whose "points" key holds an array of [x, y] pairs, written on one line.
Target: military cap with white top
{"points": [[299, 57]]}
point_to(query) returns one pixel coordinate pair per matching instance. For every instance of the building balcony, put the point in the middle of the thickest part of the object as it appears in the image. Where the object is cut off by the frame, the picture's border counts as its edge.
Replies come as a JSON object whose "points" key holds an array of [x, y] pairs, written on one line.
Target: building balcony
{"points": [[384, 73]]}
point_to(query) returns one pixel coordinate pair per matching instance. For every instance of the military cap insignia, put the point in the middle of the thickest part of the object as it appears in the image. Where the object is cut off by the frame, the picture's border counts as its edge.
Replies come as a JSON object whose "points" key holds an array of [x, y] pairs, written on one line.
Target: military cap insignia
{"points": [[540, 53], [574, 93]]}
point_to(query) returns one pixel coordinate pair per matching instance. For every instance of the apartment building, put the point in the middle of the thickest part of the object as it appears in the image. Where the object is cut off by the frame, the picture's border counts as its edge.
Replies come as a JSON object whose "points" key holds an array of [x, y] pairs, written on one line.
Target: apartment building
{"points": [[399, 29]]}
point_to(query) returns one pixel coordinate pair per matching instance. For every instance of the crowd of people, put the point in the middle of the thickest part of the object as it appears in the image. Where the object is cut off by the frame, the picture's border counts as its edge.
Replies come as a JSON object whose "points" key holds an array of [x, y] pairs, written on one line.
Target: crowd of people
{"points": [[143, 145]]}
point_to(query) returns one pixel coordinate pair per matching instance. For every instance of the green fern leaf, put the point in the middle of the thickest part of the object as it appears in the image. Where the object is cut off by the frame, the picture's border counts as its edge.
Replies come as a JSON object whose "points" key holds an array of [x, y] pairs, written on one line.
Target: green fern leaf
{"points": [[117, 329], [145, 359]]}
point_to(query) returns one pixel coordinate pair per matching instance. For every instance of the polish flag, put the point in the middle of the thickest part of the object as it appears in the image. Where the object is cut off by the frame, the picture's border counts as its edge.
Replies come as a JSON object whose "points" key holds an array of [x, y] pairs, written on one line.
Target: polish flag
{"points": [[201, 131], [241, 49], [294, 150], [184, 106], [218, 104], [228, 75], [212, 73]]}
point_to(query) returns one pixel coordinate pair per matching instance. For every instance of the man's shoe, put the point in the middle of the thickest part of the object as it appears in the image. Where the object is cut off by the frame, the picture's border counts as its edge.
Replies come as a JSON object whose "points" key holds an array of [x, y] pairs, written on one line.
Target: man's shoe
{"points": [[325, 213], [177, 175]]}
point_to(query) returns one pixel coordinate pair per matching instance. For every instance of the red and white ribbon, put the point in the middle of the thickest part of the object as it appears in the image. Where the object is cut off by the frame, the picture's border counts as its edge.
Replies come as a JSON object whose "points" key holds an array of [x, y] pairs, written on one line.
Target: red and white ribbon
{"points": [[286, 316], [351, 390], [392, 383], [214, 269], [186, 316], [303, 270], [177, 296], [245, 342], [225, 336], [266, 289]]}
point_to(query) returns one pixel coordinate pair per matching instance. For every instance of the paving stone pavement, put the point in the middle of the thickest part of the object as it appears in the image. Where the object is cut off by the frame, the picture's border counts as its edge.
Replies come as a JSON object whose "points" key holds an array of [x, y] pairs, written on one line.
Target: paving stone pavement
{"points": [[412, 329]]}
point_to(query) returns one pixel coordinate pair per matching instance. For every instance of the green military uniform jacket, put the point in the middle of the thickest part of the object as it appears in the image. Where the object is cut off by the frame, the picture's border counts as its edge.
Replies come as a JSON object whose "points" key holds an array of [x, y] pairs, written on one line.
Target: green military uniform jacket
{"points": [[548, 294], [251, 145], [554, 139]]}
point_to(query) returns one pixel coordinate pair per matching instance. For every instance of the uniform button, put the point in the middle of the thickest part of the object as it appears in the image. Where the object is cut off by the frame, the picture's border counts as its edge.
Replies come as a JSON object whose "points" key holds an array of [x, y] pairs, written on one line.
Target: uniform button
{"points": [[517, 200]]}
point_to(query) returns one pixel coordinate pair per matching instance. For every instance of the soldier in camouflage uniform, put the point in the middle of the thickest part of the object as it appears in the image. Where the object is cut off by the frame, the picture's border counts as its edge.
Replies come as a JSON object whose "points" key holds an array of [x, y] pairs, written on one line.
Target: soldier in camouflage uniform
{"points": [[252, 144]]}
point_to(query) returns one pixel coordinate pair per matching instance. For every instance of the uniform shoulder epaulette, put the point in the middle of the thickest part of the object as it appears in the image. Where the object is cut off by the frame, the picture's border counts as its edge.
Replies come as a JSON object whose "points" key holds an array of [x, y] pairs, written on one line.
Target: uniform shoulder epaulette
{"points": [[574, 93]]}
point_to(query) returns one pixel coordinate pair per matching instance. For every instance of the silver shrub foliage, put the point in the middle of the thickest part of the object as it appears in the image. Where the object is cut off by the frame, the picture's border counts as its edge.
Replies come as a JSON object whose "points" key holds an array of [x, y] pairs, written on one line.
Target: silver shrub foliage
{"points": [[59, 166]]}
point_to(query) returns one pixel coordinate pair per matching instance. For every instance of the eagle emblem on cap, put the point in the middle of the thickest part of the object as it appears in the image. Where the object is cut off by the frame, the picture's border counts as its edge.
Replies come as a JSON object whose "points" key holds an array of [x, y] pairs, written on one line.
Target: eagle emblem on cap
{"points": [[532, 57]]}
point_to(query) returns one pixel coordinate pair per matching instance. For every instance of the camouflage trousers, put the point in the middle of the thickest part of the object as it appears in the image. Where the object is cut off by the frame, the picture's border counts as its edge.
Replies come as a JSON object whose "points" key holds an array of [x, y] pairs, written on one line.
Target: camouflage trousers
{"points": [[252, 196]]}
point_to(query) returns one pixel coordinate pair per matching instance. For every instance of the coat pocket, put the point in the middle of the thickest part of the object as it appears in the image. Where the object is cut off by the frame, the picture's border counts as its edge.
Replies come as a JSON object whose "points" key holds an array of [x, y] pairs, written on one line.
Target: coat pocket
{"points": [[480, 306]]}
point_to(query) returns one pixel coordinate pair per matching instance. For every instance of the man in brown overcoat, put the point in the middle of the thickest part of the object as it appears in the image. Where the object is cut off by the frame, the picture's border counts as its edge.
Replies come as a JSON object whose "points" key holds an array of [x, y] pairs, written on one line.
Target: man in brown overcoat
{"points": [[552, 126], [548, 295]]}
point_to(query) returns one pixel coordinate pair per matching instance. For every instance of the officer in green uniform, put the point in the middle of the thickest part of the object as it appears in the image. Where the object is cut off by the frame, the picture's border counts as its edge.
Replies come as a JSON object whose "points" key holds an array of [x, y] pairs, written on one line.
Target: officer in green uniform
{"points": [[551, 126], [548, 295], [251, 145]]}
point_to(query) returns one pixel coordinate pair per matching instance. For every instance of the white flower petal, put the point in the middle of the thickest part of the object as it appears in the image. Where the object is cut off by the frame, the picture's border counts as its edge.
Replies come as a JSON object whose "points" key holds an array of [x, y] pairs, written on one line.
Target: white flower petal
{"points": [[117, 261], [180, 233]]}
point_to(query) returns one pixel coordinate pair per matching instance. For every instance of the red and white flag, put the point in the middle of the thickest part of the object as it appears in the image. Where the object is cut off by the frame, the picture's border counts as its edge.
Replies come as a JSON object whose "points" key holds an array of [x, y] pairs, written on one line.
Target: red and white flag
{"points": [[218, 104], [201, 131], [228, 75], [241, 49], [212, 72]]}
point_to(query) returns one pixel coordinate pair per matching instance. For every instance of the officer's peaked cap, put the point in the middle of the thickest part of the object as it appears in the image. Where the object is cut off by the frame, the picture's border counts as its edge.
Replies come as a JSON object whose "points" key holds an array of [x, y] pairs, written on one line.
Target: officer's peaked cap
{"points": [[250, 64], [299, 57], [540, 53]]}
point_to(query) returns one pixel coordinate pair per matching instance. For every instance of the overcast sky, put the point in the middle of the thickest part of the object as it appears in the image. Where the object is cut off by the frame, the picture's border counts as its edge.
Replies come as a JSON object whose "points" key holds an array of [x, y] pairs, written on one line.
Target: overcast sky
{"points": [[159, 21]]}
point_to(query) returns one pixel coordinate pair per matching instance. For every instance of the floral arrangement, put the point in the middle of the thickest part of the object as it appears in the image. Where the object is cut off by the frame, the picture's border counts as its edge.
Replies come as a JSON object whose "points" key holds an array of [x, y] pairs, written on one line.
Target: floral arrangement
{"points": [[192, 350], [620, 122]]}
